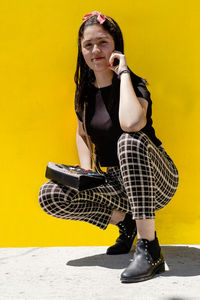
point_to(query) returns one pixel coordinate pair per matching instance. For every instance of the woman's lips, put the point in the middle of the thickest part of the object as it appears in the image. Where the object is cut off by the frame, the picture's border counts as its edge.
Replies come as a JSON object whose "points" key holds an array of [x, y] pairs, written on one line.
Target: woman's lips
{"points": [[97, 58]]}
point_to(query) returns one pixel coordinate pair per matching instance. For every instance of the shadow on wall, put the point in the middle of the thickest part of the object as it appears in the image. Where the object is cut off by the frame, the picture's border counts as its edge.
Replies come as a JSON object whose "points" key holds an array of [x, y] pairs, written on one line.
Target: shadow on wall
{"points": [[180, 261]]}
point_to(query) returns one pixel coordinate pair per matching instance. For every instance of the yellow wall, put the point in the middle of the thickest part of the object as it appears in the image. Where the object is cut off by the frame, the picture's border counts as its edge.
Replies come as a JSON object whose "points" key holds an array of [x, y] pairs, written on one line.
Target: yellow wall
{"points": [[38, 123]]}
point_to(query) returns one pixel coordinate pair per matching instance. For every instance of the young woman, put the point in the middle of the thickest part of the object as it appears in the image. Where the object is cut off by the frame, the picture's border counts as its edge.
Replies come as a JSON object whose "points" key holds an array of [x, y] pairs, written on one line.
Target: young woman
{"points": [[141, 177]]}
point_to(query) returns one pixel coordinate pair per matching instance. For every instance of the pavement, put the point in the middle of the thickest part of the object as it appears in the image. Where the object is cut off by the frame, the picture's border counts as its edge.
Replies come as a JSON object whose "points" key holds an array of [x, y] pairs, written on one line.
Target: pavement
{"points": [[80, 273]]}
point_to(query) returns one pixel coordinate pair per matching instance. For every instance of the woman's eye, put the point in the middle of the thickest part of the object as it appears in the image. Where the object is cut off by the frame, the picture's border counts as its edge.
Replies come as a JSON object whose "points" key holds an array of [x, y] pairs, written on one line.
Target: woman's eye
{"points": [[87, 45]]}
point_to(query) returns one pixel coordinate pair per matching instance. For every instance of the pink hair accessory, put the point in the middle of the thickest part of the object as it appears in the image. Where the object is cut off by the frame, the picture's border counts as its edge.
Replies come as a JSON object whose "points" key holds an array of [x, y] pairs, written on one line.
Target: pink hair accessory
{"points": [[100, 16]]}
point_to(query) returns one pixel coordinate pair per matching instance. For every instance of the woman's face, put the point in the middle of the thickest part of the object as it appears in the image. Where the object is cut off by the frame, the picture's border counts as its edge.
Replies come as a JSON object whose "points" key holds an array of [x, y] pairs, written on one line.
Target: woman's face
{"points": [[97, 45]]}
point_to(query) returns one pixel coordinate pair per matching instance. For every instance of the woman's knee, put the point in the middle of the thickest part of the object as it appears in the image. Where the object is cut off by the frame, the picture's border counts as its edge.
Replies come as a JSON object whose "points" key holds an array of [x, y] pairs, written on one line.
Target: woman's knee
{"points": [[129, 141], [46, 194], [52, 197]]}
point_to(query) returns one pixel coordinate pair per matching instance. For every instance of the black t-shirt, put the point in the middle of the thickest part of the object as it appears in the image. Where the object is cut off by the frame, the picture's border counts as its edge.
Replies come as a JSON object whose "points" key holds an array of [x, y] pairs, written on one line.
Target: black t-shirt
{"points": [[102, 119]]}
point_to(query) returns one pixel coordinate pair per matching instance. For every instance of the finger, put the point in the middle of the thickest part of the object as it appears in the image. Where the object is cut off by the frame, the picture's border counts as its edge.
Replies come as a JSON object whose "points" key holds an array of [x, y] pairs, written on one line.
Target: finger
{"points": [[114, 69], [116, 51], [113, 56]]}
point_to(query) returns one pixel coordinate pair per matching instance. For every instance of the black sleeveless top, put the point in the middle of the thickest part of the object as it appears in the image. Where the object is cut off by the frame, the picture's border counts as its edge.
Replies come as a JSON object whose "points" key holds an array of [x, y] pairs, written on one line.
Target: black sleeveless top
{"points": [[102, 119]]}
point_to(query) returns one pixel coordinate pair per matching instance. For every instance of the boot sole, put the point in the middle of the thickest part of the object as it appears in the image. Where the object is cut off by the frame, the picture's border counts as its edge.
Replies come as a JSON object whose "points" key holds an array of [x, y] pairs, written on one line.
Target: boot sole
{"points": [[159, 269]]}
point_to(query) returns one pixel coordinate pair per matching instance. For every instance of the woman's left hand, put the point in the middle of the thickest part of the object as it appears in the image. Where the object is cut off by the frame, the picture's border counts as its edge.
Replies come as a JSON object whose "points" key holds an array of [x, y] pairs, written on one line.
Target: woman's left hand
{"points": [[122, 62]]}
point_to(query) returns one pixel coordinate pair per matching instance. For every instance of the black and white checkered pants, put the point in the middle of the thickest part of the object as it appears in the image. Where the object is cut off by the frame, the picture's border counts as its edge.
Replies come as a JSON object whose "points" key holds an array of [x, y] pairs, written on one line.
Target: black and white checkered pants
{"points": [[145, 182]]}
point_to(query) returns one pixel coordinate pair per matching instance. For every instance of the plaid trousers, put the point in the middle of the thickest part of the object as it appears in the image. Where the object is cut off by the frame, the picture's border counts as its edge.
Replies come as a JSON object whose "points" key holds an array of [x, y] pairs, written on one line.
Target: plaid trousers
{"points": [[145, 181]]}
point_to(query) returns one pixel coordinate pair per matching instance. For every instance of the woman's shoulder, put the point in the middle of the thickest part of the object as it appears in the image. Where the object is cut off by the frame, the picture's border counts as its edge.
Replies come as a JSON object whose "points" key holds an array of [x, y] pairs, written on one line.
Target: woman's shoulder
{"points": [[140, 87], [138, 80]]}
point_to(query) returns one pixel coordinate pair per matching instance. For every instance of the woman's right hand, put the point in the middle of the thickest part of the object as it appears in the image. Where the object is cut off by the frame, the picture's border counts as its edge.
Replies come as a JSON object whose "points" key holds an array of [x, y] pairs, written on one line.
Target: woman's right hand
{"points": [[122, 62], [77, 166]]}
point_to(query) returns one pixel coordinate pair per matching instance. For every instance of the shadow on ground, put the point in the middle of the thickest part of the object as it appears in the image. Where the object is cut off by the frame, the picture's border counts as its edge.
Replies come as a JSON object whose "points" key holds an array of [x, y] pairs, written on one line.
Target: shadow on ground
{"points": [[181, 261]]}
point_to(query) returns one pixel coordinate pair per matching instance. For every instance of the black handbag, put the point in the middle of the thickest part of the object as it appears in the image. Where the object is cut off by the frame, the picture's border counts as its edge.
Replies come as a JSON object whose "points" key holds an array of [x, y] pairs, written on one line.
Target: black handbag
{"points": [[74, 176]]}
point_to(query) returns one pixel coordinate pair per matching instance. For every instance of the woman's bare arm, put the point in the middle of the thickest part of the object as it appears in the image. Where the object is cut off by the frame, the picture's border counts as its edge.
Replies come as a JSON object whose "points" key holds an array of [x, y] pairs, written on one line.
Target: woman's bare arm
{"points": [[132, 110], [83, 150]]}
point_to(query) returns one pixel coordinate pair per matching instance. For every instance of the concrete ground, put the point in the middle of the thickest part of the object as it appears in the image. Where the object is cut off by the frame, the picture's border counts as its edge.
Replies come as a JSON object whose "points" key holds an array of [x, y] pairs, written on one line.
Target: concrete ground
{"points": [[88, 273]]}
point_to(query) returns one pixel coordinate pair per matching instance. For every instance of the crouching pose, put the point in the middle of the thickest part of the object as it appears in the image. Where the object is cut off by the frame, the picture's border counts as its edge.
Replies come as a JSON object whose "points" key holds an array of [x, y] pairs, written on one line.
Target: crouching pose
{"points": [[141, 177]]}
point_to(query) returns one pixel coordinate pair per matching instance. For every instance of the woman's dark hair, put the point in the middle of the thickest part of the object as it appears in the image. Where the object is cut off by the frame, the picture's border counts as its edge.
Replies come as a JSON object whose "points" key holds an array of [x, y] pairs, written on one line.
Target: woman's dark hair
{"points": [[84, 76]]}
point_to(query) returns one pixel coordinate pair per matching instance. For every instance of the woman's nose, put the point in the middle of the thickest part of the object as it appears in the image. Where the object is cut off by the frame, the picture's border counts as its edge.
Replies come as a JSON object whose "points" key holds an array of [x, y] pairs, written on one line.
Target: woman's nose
{"points": [[95, 49]]}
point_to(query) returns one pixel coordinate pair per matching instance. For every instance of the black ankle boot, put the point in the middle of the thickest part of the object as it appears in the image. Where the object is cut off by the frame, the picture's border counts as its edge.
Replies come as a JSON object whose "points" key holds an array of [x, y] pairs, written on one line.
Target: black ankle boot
{"points": [[128, 231], [147, 261]]}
